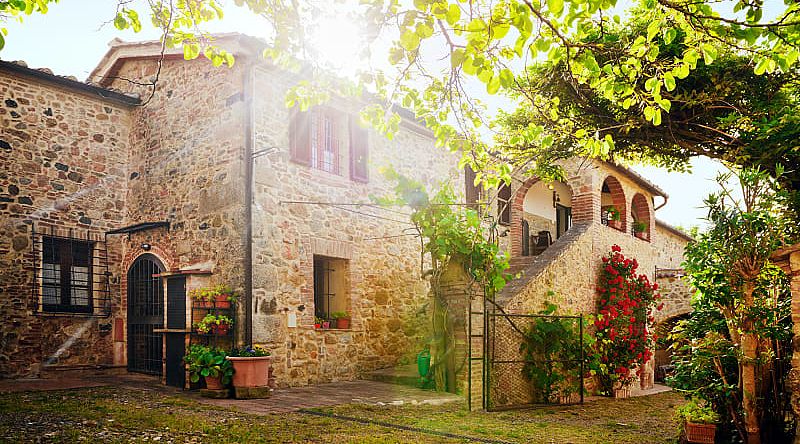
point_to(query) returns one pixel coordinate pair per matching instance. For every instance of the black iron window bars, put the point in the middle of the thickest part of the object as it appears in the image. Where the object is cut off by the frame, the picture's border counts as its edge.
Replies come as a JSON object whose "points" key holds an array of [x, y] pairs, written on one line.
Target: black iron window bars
{"points": [[70, 273]]}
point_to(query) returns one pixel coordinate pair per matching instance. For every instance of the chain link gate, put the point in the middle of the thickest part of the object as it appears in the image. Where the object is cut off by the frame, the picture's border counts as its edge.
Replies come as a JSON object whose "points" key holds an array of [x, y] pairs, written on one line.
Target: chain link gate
{"points": [[495, 375]]}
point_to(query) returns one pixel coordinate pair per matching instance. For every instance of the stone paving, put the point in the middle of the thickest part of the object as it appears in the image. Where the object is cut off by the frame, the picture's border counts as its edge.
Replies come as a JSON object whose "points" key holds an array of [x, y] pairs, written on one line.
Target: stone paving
{"points": [[335, 393], [282, 400]]}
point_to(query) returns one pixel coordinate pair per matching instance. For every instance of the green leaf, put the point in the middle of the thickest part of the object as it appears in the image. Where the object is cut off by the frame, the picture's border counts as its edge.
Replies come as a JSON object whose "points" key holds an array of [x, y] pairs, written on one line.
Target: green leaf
{"points": [[556, 7], [709, 53], [669, 35], [191, 51], [409, 40], [453, 14], [506, 78], [653, 28], [494, 85], [761, 66], [669, 82], [120, 22]]}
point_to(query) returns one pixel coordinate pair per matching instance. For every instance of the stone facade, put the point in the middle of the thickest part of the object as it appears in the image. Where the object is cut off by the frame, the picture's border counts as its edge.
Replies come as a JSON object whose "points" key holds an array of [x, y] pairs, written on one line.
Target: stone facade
{"points": [[566, 273], [85, 162], [64, 151]]}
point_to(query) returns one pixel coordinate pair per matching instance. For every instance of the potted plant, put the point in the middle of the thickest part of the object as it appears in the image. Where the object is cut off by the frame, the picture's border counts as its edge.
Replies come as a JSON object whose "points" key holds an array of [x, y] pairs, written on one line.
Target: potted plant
{"points": [[640, 229], [700, 422], [219, 296], [342, 319], [317, 322], [614, 217], [250, 371], [214, 325], [210, 363]]}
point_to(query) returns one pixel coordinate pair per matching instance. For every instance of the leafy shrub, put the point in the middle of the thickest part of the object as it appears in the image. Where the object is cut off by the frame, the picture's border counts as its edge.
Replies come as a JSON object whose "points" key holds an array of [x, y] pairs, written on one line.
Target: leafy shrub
{"points": [[207, 361]]}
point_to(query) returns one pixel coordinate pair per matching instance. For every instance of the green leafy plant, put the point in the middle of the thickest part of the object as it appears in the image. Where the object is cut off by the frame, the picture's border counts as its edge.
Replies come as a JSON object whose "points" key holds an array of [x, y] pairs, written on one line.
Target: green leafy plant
{"points": [[639, 226], [339, 315], [249, 351], [694, 412], [453, 237], [211, 295], [210, 322], [552, 352], [207, 361], [614, 214]]}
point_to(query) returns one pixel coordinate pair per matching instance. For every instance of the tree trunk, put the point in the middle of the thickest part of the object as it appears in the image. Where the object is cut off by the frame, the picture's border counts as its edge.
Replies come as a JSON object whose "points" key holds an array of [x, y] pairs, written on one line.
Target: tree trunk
{"points": [[749, 346]]}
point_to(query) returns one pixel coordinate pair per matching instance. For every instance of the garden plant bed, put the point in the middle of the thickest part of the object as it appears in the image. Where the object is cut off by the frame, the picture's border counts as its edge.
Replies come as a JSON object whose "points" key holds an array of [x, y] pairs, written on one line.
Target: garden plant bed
{"points": [[121, 414]]}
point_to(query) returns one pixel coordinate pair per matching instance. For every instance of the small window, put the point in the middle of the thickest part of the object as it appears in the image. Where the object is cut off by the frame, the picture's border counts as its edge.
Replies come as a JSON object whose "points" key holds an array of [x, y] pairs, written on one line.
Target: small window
{"points": [[504, 205], [66, 275], [330, 286]]}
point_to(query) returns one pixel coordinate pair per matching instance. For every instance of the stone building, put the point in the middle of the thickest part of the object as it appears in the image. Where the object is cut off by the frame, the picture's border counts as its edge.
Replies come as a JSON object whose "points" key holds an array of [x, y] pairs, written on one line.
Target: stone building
{"points": [[114, 206]]}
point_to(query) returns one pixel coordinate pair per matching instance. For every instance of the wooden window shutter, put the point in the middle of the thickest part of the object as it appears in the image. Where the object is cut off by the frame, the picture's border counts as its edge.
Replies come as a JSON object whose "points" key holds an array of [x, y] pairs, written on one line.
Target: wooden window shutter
{"points": [[504, 204], [471, 191], [359, 152], [300, 137]]}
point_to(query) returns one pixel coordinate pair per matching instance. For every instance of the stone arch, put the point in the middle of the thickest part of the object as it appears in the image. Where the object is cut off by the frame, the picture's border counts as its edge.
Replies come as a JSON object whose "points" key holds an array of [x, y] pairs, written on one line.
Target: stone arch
{"points": [[517, 212], [640, 212], [615, 197]]}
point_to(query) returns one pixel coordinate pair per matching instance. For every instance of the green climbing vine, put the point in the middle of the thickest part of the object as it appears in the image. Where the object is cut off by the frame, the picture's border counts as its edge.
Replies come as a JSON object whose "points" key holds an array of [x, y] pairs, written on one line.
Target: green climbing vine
{"points": [[451, 235]]}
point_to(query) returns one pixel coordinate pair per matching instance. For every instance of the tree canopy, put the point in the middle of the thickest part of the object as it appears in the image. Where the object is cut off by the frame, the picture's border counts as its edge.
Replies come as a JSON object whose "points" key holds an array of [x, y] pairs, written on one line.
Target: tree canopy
{"points": [[445, 56]]}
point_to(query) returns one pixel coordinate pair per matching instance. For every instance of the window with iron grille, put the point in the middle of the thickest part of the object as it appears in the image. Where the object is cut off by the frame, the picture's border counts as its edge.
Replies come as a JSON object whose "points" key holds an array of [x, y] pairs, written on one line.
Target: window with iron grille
{"points": [[330, 286], [70, 275]]}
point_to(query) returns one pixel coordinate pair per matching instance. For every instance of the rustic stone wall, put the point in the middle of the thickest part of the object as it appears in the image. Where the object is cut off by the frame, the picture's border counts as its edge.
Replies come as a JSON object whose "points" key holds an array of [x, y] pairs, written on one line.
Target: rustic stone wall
{"points": [[387, 291], [63, 154], [186, 167]]}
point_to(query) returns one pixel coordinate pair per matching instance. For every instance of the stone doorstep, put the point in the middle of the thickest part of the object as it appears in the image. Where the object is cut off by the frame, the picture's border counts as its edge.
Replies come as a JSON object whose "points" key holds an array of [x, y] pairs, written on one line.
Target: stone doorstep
{"points": [[406, 375]]}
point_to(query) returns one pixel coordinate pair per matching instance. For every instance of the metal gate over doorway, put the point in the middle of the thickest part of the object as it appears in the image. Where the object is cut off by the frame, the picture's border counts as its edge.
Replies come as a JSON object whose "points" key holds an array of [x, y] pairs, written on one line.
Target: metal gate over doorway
{"points": [[145, 314], [497, 365]]}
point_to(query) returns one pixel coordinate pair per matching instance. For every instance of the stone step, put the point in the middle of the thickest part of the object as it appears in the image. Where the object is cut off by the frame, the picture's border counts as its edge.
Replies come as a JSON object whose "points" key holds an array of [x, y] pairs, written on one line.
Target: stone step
{"points": [[400, 375]]}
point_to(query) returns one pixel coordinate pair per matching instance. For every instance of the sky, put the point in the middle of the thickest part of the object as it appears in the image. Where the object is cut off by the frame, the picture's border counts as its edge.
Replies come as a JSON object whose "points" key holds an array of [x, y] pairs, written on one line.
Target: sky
{"points": [[71, 40]]}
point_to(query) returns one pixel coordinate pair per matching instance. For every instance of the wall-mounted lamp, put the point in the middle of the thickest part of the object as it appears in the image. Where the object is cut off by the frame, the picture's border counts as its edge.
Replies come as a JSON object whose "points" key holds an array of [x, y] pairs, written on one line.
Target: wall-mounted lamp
{"points": [[146, 246]]}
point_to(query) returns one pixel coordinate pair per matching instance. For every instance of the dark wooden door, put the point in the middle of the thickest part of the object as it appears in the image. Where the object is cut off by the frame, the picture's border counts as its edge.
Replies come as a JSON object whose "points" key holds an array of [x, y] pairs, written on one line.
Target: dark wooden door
{"points": [[145, 314], [176, 342]]}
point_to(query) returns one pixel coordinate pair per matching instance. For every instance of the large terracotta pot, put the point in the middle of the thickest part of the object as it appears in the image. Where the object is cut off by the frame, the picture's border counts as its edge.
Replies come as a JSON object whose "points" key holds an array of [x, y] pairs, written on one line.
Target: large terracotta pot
{"points": [[343, 323], [250, 372]]}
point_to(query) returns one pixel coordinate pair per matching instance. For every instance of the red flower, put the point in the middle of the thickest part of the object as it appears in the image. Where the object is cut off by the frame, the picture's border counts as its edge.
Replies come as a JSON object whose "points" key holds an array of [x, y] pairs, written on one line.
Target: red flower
{"points": [[616, 247]]}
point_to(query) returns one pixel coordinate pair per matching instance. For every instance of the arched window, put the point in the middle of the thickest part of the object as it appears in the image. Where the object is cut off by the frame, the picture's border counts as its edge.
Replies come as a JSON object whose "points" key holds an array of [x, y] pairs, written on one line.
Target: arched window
{"points": [[613, 210], [640, 210]]}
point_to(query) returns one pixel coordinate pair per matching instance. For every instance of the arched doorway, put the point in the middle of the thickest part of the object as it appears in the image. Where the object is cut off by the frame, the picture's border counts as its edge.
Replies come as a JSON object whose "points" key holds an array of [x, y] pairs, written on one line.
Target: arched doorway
{"points": [[145, 314], [544, 211]]}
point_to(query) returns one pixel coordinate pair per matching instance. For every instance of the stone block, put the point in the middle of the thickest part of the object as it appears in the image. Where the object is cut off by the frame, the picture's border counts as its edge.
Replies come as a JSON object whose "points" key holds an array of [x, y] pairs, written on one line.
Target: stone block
{"points": [[252, 392], [216, 394]]}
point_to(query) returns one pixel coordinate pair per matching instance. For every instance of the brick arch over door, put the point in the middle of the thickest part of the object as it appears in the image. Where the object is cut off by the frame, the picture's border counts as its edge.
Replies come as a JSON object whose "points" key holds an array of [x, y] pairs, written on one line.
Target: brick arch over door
{"points": [[641, 209], [617, 198], [517, 202]]}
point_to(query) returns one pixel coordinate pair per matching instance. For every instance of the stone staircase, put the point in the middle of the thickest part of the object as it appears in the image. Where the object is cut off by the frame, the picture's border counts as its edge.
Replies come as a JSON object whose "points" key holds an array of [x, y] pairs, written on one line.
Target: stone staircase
{"points": [[528, 267]]}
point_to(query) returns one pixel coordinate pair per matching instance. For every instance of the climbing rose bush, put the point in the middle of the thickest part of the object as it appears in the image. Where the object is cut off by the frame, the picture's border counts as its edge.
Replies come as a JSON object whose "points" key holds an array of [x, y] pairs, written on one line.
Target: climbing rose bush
{"points": [[625, 309]]}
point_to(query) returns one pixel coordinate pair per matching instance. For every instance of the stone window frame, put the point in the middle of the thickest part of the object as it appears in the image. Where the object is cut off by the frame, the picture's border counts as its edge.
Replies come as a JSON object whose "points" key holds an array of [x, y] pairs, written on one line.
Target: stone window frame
{"points": [[336, 250]]}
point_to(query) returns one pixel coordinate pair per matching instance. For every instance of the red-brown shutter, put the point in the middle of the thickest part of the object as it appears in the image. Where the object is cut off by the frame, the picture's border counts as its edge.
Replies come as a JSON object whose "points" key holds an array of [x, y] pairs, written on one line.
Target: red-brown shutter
{"points": [[471, 192], [359, 152], [504, 204], [300, 137]]}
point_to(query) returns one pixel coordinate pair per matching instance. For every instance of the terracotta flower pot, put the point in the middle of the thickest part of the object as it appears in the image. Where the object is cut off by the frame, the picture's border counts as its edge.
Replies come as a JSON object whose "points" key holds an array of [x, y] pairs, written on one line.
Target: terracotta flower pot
{"points": [[700, 433], [213, 383], [343, 323], [250, 372], [220, 329], [622, 393], [222, 301]]}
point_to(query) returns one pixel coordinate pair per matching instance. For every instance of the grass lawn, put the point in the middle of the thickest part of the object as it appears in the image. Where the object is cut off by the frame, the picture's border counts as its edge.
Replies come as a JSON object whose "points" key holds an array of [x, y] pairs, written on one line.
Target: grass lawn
{"points": [[122, 415]]}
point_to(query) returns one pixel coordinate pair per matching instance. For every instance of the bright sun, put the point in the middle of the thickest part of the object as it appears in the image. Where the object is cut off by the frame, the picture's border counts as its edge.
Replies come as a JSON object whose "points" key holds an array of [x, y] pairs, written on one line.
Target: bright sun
{"points": [[337, 40]]}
